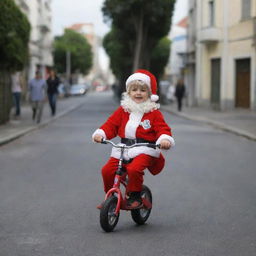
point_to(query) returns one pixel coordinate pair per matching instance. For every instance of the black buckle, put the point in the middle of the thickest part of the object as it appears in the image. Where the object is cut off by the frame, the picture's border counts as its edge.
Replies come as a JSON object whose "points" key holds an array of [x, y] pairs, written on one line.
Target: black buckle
{"points": [[128, 142]]}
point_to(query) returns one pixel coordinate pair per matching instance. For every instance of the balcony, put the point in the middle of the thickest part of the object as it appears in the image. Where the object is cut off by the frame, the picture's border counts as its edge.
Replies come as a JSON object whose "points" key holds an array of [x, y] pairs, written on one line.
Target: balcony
{"points": [[210, 35]]}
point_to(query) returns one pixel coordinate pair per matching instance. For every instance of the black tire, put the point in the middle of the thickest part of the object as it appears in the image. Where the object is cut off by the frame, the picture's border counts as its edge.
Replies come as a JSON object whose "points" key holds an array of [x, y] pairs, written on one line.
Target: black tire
{"points": [[141, 215], [108, 219]]}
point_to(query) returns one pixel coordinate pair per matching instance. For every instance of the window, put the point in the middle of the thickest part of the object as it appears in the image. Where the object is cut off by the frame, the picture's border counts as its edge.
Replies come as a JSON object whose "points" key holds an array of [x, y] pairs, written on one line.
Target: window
{"points": [[211, 13], [246, 9]]}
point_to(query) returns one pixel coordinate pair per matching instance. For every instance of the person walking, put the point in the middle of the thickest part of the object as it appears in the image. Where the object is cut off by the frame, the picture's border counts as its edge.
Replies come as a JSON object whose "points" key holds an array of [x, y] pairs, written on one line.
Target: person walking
{"points": [[52, 90], [180, 93], [37, 88], [16, 92]]}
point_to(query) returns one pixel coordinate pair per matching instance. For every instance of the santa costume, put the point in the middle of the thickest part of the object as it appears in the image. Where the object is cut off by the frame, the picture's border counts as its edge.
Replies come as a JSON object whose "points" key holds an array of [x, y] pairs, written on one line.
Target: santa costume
{"points": [[136, 122]]}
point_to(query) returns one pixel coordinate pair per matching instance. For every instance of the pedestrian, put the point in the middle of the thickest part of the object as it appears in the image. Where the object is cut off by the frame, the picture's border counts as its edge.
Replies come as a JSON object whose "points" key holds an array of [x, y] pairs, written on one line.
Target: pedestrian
{"points": [[37, 88], [16, 92], [138, 119], [52, 90], [180, 93]]}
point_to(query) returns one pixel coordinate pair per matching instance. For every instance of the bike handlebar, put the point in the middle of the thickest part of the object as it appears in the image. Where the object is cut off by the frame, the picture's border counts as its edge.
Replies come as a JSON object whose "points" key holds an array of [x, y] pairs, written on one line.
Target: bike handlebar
{"points": [[150, 145]]}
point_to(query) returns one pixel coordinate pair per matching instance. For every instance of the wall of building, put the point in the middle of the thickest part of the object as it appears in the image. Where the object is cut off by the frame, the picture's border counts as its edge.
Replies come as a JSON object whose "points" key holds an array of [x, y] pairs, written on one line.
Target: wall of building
{"points": [[236, 42], [41, 38]]}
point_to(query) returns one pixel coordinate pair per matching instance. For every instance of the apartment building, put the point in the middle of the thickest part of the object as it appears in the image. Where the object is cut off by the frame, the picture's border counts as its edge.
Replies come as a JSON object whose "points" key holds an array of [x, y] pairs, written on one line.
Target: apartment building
{"points": [[222, 36], [190, 75], [41, 38], [178, 37]]}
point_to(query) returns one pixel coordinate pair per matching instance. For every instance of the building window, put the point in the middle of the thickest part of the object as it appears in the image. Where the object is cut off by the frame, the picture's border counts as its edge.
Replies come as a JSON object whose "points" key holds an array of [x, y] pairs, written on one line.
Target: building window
{"points": [[211, 13], [246, 9]]}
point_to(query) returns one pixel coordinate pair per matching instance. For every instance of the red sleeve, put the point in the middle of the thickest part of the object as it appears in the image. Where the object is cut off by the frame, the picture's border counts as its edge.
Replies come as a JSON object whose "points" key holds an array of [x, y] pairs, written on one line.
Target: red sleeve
{"points": [[160, 126], [112, 124]]}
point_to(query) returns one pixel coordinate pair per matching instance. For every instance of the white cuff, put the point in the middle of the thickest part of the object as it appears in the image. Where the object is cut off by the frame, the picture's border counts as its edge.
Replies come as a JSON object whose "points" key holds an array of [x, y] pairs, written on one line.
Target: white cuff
{"points": [[166, 137], [99, 132]]}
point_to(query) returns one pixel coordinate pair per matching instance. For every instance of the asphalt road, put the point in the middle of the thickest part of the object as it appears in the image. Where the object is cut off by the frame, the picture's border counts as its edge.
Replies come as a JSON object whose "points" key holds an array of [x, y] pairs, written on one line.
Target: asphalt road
{"points": [[203, 202]]}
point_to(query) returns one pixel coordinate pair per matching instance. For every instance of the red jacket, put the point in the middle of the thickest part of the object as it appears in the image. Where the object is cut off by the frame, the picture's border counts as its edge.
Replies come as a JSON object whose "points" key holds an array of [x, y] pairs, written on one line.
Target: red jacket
{"points": [[150, 126]]}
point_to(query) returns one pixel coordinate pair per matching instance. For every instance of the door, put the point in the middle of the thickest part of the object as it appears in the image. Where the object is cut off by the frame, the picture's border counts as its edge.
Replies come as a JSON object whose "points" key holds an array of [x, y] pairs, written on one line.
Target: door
{"points": [[243, 74], [215, 82]]}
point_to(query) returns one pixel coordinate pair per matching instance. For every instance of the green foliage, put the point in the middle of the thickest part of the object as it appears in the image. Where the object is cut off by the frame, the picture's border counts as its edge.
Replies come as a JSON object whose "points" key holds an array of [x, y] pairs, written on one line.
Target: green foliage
{"points": [[115, 48], [160, 56], [138, 28], [79, 48], [14, 36]]}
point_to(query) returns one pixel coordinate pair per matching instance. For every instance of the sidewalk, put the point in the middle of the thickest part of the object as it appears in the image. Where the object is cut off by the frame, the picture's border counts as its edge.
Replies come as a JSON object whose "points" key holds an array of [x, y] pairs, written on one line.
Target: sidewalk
{"points": [[241, 122], [17, 128]]}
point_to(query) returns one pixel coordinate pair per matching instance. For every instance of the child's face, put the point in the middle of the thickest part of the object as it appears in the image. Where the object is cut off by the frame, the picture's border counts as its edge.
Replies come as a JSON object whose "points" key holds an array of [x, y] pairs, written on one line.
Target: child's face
{"points": [[139, 93]]}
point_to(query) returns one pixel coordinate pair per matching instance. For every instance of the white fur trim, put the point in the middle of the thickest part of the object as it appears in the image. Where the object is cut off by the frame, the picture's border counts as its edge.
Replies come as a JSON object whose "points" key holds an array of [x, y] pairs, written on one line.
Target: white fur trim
{"points": [[133, 152], [154, 97], [132, 124], [166, 137], [138, 76], [99, 132], [130, 106]]}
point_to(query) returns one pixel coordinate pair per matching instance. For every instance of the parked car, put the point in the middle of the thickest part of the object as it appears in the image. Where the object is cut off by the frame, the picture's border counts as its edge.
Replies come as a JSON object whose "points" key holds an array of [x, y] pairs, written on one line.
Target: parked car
{"points": [[164, 87], [171, 94], [78, 89], [63, 90]]}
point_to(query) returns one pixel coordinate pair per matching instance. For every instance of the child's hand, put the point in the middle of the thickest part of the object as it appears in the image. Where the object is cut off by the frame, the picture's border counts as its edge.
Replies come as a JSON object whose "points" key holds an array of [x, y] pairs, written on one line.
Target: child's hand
{"points": [[165, 144], [97, 138]]}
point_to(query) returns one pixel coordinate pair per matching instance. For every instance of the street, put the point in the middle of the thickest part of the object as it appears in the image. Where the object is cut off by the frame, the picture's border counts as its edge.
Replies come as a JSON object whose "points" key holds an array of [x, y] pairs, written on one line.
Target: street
{"points": [[50, 185]]}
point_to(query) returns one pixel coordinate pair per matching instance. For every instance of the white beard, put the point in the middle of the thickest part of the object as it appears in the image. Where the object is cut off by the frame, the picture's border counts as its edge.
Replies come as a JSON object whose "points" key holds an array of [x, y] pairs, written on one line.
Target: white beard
{"points": [[131, 106]]}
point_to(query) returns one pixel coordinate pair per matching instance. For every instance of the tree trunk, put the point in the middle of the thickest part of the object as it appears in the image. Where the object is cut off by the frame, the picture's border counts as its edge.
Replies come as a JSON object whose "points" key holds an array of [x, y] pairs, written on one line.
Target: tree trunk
{"points": [[5, 96], [139, 40]]}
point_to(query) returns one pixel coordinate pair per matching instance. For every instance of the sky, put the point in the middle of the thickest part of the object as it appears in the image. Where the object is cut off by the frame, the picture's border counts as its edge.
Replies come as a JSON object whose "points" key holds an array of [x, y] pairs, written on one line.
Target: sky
{"points": [[180, 10], [68, 12]]}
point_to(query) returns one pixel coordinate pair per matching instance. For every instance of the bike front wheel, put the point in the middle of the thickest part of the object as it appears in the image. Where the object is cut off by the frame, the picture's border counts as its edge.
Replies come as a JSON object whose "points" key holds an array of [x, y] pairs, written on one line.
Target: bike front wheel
{"points": [[108, 218], [141, 215]]}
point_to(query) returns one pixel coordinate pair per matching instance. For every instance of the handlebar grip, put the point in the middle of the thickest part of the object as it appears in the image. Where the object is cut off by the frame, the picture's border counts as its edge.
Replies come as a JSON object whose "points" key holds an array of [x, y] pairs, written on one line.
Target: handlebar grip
{"points": [[103, 141], [151, 145]]}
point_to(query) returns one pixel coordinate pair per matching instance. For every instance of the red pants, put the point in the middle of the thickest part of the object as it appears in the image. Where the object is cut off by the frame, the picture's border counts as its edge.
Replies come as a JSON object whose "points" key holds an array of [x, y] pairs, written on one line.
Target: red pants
{"points": [[135, 171]]}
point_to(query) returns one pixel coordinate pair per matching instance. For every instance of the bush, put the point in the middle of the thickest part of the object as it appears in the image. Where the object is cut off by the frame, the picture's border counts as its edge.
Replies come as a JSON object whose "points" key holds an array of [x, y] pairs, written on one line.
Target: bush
{"points": [[14, 36]]}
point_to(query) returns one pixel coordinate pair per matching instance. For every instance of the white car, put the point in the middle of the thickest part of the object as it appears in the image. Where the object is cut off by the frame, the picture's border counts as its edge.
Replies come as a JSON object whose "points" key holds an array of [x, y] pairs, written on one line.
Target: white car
{"points": [[78, 89]]}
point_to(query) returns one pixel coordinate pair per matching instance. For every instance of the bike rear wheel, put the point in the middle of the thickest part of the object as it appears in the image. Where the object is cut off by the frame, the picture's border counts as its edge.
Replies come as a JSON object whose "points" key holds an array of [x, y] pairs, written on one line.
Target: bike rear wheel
{"points": [[141, 215], [108, 218]]}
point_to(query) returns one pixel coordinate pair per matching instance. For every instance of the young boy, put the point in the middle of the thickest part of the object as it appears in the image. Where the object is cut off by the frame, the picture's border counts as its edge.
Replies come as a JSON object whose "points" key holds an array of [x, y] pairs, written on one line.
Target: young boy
{"points": [[136, 120]]}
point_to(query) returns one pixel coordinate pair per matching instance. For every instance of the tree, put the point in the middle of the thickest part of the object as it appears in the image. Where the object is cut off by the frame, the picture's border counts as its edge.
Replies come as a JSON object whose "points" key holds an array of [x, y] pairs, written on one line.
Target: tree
{"points": [[14, 38], [80, 52], [160, 56], [137, 25]]}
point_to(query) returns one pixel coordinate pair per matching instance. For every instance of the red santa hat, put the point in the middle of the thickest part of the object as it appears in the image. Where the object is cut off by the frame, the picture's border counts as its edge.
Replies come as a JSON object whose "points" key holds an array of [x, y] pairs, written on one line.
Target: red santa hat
{"points": [[146, 77]]}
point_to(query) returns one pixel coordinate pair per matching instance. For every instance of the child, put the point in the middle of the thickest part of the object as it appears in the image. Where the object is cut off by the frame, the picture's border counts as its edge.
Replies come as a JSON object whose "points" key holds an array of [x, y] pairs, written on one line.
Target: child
{"points": [[136, 120]]}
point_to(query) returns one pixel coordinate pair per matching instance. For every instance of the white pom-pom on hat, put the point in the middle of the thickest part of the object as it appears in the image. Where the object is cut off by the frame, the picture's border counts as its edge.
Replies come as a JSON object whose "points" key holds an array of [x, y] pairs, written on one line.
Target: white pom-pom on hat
{"points": [[146, 77]]}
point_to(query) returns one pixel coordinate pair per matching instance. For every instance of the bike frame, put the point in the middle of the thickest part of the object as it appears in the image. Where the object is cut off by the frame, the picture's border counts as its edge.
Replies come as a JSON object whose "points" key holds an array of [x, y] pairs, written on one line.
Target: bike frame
{"points": [[120, 177]]}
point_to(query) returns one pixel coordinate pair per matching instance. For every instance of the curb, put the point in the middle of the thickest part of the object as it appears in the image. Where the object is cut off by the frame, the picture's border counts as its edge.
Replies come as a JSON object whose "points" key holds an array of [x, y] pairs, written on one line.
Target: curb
{"points": [[215, 124], [37, 126]]}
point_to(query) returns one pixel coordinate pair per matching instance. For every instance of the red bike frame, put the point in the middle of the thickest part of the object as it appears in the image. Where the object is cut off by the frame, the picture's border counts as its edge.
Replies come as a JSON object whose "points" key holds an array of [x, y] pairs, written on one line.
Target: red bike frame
{"points": [[121, 178]]}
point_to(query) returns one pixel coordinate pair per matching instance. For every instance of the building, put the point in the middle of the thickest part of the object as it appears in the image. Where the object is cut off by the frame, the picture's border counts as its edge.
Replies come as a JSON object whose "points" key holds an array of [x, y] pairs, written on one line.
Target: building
{"points": [[190, 74], [224, 43], [178, 36], [41, 39]]}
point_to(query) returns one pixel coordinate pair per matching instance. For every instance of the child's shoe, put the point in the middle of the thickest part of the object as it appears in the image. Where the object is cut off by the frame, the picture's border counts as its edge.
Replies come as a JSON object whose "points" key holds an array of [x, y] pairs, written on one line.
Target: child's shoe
{"points": [[134, 201], [100, 206]]}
